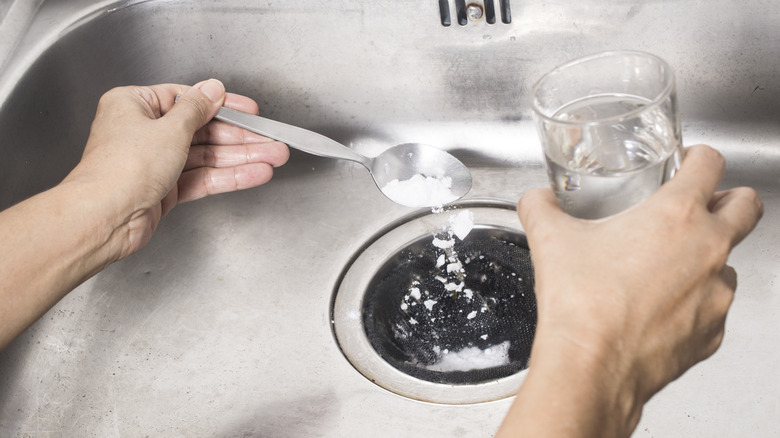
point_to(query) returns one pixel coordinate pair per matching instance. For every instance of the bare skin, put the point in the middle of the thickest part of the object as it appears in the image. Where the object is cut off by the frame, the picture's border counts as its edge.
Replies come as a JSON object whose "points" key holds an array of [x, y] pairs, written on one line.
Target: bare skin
{"points": [[625, 304], [144, 156], [629, 303]]}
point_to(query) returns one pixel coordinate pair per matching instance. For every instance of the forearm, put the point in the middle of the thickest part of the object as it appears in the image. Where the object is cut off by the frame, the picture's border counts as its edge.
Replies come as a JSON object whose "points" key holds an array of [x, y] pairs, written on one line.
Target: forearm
{"points": [[572, 393], [49, 244]]}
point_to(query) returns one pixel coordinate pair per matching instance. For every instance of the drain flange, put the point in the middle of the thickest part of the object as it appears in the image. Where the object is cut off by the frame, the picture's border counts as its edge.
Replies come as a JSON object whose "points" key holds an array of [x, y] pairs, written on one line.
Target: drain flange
{"points": [[400, 321]]}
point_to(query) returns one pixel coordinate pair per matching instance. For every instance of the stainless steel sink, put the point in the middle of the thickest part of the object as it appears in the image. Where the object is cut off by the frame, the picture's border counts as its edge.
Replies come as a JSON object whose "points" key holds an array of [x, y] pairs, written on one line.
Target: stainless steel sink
{"points": [[222, 325]]}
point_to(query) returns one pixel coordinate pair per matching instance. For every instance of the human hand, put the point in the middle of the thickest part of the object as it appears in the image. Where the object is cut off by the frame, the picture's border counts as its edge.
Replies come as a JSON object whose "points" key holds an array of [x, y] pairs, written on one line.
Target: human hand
{"points": [[628, 303], [149, 155]]}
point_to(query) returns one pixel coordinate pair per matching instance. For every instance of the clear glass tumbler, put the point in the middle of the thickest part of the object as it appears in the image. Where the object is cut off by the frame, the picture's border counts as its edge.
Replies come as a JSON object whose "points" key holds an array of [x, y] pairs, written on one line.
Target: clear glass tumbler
{"points": [[610, 130]]}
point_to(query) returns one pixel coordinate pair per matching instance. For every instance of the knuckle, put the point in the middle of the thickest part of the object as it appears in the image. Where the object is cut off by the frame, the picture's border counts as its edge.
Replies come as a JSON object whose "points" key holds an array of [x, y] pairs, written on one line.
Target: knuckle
{"points": [[209, 157], [682, 209], [199, 107], [715, 253], [723, 300], [715, 342], [753, 199], [110, 96]]}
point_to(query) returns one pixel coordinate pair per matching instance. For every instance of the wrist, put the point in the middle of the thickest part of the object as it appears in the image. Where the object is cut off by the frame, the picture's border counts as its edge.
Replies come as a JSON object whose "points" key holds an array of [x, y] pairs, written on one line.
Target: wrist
{"points": [[52, 242], [604, 394], [103, 209]]}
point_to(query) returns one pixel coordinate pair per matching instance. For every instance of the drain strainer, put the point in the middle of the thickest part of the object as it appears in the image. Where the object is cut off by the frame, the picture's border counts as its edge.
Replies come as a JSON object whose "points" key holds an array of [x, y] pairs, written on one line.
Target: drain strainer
{"points": [[446, 322]]}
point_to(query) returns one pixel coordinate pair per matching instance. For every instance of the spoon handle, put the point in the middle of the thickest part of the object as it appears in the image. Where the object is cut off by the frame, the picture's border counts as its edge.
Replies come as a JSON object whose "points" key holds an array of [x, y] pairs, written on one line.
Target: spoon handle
{"points": [[298, 138]]}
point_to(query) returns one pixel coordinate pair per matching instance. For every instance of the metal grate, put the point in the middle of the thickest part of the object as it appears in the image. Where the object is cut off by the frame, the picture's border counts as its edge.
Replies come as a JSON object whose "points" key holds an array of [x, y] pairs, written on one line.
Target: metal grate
{"points": [[474, 11], [496, 310]]}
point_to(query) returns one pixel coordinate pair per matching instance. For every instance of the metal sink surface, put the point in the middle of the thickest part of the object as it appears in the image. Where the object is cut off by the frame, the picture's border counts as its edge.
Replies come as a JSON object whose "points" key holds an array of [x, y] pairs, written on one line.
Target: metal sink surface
{"points": [[221, 325]]}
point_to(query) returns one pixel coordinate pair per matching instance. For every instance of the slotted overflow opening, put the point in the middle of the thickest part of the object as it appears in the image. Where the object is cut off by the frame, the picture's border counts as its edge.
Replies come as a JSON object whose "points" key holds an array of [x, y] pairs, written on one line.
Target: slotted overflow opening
{"points": [[465, 10]]}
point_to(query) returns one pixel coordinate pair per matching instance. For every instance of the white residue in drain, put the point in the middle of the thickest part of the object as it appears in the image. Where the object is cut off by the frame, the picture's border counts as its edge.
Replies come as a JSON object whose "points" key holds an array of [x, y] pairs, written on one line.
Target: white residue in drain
{"points": [[414, 292], [456, 266], [471, 358]]}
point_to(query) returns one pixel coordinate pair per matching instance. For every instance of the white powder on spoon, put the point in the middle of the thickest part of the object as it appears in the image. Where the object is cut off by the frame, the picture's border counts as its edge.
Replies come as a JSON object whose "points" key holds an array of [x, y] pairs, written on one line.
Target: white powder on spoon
{"points": [[420, 191]]}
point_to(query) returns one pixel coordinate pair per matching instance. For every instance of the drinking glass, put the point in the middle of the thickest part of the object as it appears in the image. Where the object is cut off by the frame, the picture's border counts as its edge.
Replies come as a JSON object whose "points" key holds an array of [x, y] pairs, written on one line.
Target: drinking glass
{"points": [[609, 129]]}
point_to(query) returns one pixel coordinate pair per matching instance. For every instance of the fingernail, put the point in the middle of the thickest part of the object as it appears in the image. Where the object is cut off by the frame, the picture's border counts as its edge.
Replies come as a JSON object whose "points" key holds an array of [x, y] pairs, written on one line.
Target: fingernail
{"points": [[213, 89]]}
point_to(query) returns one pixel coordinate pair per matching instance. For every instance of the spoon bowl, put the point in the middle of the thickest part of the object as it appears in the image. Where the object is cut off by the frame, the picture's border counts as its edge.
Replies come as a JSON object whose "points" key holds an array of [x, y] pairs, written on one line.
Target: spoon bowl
{"points": [[420, 175], [410, 174]]}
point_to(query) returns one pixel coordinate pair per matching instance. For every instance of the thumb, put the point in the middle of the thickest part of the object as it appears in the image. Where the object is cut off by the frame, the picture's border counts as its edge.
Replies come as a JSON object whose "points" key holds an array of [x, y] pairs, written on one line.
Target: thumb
{"points": [[538, 206], [198, 105]]}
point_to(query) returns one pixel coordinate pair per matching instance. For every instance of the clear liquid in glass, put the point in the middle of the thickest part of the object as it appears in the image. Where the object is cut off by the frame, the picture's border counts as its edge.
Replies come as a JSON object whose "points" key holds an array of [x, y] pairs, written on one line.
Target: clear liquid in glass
{"points": [[600, 169]]}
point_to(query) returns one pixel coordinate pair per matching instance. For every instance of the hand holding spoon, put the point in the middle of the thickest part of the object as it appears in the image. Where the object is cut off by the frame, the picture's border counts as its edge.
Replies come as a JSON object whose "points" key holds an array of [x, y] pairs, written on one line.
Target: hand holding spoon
{"points": [[410, 174]]}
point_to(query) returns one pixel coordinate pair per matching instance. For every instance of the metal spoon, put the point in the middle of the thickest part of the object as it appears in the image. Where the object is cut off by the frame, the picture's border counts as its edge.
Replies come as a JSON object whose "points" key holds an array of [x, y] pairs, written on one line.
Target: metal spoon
{"points": [[401, 162]]}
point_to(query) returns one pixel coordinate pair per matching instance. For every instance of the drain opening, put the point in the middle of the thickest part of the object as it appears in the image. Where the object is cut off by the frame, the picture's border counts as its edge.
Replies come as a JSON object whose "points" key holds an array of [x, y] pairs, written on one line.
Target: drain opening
{"points": [[479, 331], [453, 352]]}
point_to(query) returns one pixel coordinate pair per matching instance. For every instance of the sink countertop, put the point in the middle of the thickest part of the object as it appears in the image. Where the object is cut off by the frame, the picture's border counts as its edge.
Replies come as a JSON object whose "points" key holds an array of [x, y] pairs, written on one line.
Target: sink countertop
{"points": [[207, 333]]}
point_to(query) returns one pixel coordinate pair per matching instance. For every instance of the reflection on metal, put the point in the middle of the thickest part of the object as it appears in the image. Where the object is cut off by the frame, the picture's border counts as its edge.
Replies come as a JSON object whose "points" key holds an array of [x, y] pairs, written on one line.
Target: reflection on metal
{"points": [[221, 326]]}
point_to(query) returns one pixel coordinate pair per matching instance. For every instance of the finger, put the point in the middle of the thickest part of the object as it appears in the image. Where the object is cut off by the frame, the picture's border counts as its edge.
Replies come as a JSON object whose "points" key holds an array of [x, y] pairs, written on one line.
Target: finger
{"points": [[699, 173], [197, 106], [217, 132], [538, 205], [716, 310], [204, 181], [169, 201], [164, 97], [241, 103], [273, 153], [159, 98], [739, 210], [729, 276]]}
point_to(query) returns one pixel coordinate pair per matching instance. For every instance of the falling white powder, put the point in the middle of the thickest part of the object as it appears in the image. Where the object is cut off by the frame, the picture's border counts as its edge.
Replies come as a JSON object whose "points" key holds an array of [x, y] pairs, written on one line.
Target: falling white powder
{"points": [[451, 274], [420, 191], [472, 358], [462, 223]]}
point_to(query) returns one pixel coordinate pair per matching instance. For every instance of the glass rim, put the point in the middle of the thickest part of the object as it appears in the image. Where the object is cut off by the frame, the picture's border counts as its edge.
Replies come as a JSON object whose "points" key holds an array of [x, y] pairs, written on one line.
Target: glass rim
{"points": [[654, 102]]}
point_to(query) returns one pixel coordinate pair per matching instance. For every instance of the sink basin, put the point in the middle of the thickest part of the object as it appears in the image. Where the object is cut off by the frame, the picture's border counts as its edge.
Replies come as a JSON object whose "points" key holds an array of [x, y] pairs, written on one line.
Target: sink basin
{"points": [[221, 326]]}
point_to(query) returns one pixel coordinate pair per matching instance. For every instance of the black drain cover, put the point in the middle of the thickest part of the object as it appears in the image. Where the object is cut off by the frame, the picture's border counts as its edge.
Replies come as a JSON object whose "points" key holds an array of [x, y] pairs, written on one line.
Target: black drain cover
{"points": [[461, 327]]}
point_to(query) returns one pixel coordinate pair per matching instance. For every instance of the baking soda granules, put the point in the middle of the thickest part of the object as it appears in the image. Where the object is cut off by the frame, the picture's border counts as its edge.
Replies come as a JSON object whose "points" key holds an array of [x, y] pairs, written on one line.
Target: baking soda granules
{"points": [[471, 358], [424, 304], [420, 191]]}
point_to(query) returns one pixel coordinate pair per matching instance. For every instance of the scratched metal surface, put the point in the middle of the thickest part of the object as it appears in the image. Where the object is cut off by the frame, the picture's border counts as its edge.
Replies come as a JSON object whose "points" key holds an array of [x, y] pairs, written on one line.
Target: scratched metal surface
{"points": [[220, 327]]}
